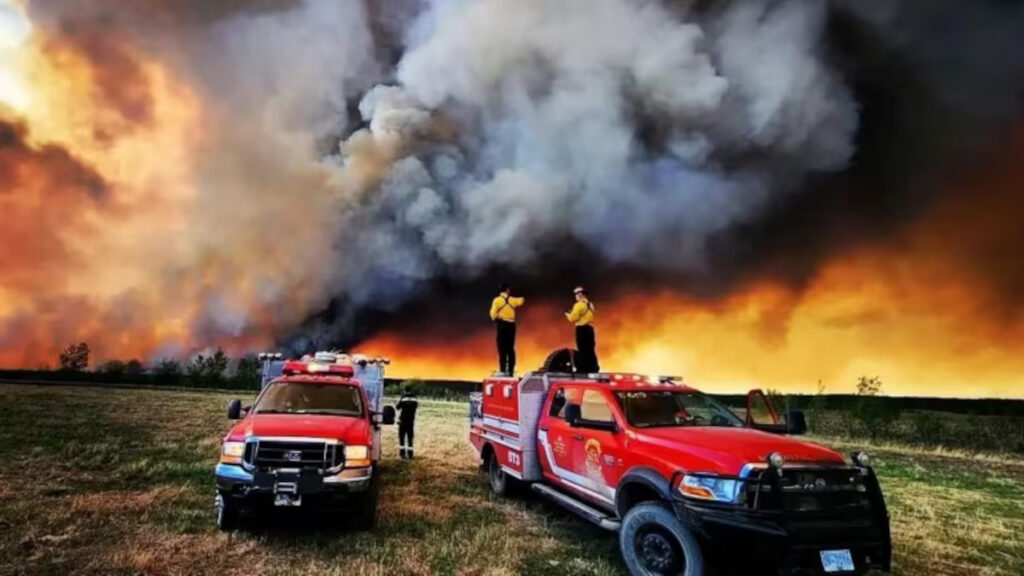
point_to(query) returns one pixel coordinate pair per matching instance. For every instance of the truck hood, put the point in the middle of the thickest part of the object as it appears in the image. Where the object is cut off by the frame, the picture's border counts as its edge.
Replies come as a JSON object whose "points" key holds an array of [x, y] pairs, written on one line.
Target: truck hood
{"points": [[727, 450], [346, 429]]}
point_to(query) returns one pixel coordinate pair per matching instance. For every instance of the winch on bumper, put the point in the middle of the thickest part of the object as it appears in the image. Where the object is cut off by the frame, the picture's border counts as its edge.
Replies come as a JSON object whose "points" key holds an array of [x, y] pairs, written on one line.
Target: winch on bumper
{"points": [[790, 517], [238, 482], [287, 470]]}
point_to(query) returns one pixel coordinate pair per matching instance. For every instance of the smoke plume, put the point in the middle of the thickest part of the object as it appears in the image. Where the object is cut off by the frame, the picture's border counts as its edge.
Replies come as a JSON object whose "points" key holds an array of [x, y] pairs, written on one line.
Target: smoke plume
{"points": [[307, 172]]}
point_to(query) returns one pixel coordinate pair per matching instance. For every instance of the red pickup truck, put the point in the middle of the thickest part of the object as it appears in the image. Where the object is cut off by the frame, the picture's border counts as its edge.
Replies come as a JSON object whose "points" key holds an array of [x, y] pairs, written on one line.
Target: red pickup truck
{"points": [[685, 482], [311, 439]]}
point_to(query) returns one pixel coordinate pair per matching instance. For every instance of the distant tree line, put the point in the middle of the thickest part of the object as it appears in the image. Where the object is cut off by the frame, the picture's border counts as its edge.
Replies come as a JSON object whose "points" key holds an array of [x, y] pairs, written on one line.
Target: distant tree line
{"points": [[215, 370]]}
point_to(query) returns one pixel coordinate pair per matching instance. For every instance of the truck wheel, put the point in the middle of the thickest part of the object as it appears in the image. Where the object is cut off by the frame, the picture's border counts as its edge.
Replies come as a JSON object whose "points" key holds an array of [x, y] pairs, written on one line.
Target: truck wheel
{"points": [[655, 543], [227, 513], [365, 517], [500, 482]]}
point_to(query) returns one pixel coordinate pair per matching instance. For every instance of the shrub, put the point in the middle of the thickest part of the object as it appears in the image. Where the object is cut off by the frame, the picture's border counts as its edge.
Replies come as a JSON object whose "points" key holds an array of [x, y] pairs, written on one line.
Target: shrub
{"points": [[113, 369], [928, 428]]}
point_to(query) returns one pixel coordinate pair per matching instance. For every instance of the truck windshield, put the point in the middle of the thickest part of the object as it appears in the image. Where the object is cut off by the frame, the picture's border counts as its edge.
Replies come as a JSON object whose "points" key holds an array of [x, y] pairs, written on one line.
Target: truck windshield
{"points": [[660, 408], [310, 398]]}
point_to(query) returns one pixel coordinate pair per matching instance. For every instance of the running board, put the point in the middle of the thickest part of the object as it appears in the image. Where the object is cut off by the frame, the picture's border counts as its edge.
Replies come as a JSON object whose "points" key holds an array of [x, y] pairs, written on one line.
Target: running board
{"points": [[573, 505]]}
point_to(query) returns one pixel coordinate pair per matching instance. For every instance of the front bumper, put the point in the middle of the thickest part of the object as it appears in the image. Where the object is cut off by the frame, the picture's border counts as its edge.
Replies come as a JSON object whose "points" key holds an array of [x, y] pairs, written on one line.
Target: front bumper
{"points": [[239, 483], [774, 540], [771, 543]]}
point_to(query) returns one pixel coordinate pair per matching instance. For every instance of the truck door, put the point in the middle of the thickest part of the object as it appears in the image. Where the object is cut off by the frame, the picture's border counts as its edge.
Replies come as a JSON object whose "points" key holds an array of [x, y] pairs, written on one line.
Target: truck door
{"points": [[760, 410], [762, 415], [597, 450], [554, 435]]}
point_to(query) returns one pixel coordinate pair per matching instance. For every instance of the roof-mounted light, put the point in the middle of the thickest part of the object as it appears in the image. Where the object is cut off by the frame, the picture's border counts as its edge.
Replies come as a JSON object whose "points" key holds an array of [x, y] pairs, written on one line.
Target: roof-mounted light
{"points": [[326, 357], [294, 367]]}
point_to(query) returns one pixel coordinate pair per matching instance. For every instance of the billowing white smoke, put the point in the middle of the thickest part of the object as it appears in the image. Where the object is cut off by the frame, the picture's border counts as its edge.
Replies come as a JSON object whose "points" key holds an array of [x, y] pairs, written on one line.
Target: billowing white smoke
{"points": [[512, 125]]}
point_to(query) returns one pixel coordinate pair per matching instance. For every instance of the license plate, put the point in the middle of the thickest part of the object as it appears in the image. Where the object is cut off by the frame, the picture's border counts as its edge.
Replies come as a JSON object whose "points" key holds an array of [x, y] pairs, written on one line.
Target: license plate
{"points": [[287, 500], [837, 561]]}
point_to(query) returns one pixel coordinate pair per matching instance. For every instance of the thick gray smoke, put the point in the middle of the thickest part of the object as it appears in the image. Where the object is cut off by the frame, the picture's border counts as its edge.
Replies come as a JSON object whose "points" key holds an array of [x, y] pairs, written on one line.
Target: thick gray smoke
{"points": [[513, 125], [509, 127], [353, 153]]}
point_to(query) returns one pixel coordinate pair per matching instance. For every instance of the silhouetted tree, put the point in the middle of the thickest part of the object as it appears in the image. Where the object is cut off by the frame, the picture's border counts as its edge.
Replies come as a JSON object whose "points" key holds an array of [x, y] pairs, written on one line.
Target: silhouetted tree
{"points": [[133, 368], [75, 357], [248, 373], [167, 371], [875, 412], [207, 370]]}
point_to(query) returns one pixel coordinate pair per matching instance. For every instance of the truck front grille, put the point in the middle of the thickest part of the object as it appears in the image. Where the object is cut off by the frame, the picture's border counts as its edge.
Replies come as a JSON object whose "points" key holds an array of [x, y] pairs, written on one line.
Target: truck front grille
{"points": [[809, 491], [272, 454]]}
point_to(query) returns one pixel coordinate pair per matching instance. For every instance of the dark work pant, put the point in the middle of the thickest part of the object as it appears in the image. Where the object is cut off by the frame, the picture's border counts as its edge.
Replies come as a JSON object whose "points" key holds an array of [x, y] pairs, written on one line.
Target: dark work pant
{"points": [[506, 337], [586, 350], [405, 439]]}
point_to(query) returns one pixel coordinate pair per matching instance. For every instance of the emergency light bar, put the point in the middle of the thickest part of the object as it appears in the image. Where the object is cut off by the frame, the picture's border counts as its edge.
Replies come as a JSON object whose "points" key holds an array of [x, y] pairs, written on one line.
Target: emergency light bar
{"points": [[616, 377], [345, 359], [292, 367]]}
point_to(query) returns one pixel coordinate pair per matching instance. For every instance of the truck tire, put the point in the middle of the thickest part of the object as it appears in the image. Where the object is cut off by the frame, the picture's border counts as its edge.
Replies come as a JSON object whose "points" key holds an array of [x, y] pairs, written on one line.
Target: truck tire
{"points": [[655, 543], [227, 513], [501, 483], [365, 512]]}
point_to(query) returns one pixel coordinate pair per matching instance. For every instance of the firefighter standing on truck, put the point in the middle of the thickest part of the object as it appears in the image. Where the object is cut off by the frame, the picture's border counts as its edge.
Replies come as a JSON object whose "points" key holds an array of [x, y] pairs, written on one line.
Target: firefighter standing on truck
{"points": [[582, 316], [406, 407], [503, 313]]}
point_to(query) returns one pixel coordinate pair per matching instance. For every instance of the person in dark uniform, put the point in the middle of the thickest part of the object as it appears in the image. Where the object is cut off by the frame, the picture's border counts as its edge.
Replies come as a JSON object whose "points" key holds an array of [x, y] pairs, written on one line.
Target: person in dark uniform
{"points": [[582, 317], [503, 313], [406, 407]]}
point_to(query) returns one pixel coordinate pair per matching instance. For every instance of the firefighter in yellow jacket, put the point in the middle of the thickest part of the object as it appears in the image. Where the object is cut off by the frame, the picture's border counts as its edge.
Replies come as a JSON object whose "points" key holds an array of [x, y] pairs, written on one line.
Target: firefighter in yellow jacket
{"points": [[582, 316], [503, 313]]}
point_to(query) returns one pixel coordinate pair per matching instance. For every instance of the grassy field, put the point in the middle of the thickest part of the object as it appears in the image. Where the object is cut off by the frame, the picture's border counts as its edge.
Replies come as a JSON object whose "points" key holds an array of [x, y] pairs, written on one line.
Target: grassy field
{"points": [[114, 481]]}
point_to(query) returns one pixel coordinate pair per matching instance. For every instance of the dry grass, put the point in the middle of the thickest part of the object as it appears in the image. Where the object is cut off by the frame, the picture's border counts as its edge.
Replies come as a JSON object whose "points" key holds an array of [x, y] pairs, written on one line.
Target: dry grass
{"points": [[102, 481]]}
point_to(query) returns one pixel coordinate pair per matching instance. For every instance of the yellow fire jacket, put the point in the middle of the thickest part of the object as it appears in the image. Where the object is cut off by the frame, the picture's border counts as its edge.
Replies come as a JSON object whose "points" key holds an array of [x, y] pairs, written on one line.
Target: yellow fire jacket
{"points": [[582, 313], [503, 308]]}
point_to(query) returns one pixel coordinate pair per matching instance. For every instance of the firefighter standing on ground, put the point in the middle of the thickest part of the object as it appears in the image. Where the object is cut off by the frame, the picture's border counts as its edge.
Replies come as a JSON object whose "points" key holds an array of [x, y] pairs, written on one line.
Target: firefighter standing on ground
{"points": [[582, 316], [406, 407], [503, 313]]}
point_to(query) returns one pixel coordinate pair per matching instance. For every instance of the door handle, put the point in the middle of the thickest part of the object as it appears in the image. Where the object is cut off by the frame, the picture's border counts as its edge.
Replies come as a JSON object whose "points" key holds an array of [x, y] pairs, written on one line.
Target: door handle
{"points": [[577, 437]]}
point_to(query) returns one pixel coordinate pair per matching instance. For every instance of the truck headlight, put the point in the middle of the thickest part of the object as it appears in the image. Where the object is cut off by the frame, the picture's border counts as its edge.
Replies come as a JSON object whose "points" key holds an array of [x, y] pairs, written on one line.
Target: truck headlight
{"points": [[357, 456], [231, 452], [711, 488]]}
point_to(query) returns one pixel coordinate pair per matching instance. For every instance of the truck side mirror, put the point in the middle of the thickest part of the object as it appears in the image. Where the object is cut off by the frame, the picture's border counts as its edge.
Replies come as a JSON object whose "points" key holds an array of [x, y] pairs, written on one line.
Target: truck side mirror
{"points": [[388, 415], [235, 410], [572, 414], [796, 422]]}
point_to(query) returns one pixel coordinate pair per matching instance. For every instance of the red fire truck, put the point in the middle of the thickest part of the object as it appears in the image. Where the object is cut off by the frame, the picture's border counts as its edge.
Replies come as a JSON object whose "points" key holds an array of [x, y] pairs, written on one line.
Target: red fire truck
{"points": [[311, 439], [685, 482]]}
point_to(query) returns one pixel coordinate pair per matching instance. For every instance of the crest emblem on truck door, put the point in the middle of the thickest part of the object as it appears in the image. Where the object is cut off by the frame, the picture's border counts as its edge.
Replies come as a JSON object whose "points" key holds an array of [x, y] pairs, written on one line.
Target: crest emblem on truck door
{"points": [[593, 451]]}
